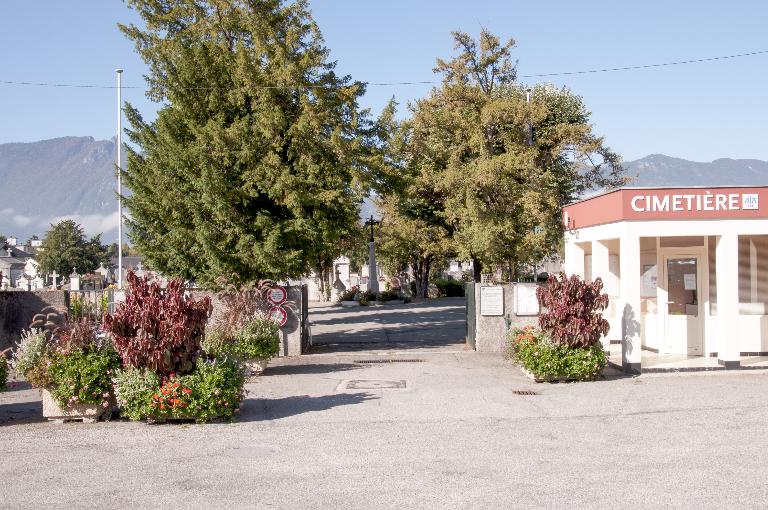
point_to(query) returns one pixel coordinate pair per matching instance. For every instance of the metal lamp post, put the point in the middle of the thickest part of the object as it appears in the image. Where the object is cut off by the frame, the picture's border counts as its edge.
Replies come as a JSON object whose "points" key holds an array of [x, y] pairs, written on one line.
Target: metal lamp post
{"points": [[119, 180]]}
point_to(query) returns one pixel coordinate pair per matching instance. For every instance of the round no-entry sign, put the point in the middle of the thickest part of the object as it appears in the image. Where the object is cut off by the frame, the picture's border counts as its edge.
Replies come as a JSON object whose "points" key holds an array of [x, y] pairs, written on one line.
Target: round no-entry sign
{"points": [[277, 295], [278, 315]]}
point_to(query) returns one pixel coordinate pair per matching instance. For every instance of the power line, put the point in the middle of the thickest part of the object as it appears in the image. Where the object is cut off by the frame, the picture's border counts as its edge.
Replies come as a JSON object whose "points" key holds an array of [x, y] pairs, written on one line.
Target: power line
{"points": [[646, 66], [392, 84]]}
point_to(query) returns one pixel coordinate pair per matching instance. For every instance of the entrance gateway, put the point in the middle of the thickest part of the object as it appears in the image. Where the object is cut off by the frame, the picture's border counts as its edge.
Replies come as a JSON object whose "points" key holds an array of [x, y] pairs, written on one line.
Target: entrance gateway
{"points": [[686, 269]]}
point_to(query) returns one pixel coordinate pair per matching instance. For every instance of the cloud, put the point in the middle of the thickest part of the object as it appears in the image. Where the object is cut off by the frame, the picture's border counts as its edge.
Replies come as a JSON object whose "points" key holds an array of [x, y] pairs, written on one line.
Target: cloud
{"points": [[21, 220], [92, 223], [7, 211]]}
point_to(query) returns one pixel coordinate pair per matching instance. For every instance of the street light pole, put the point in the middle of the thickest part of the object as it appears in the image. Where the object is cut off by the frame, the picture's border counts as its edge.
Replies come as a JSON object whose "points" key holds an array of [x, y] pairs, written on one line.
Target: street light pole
{"points": [[119, 180]]}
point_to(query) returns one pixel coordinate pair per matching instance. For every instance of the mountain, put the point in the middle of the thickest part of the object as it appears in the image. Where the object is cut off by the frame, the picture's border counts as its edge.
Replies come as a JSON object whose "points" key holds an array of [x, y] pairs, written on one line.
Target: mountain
{"points": [[47, 181], [661, 170], [73, 177]]}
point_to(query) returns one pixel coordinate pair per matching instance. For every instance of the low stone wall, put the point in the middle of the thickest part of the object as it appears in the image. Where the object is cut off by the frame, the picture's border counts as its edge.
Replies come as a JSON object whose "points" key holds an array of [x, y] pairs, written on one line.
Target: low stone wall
{"points": [[18, 307], [491, 331]]}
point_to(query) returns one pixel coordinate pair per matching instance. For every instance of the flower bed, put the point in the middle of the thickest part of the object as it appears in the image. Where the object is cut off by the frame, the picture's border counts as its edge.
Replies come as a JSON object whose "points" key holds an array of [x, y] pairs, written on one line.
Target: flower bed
{"points": [[567, 344], [166, 374], [548, 361], [72, 366], [214, 390]]}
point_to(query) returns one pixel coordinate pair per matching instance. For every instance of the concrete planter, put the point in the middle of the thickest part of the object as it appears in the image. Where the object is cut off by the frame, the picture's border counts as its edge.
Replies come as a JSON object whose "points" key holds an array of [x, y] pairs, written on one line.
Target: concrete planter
{"points": [[87, 413], [256, 366], [348, 304]]}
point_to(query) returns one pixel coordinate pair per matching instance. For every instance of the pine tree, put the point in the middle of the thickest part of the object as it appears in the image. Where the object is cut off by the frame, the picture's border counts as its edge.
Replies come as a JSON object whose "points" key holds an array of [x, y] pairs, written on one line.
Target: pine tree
{"points": [[255, 163]]}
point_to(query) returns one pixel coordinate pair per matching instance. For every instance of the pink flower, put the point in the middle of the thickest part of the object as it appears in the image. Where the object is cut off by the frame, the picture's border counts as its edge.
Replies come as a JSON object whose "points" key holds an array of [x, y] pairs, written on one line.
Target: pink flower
{"points": [[105, 404]]}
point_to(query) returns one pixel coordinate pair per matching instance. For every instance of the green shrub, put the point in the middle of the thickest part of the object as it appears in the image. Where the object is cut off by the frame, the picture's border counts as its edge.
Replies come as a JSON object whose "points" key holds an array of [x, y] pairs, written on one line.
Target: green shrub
{"points": [[448, 288], [350, 294], [257, 338], [82, 377], [29, 357], [387, 295], [213, 390], [545, 359], [3, 372], [134, 388], [29, 351]]}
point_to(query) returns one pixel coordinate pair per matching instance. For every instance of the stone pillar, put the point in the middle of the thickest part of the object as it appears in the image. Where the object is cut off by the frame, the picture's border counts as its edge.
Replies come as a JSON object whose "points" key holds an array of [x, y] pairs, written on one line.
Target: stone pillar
{"points": [[727, 271], [574, 258], [629, 285], [373, 273]]}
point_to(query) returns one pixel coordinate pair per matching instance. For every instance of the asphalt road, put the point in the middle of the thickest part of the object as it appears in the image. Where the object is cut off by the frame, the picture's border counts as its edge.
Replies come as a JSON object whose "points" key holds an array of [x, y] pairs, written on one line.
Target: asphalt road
{"points": [[431, 325], [321, 432]]}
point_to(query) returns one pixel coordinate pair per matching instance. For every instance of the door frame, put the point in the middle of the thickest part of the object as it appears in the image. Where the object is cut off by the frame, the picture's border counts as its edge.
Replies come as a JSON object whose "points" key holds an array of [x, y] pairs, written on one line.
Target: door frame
{"points": [[702, 281]]}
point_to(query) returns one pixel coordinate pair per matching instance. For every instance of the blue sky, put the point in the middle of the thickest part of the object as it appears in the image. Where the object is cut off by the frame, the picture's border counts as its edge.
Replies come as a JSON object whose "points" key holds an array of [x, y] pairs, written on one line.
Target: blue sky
{"points": [[698, 111]]}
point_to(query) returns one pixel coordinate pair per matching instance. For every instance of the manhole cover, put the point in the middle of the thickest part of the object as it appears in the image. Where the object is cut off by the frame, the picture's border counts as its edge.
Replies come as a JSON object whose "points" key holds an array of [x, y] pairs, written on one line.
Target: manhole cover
{"points": [[375, 384], [524, 392], [389, 361]]}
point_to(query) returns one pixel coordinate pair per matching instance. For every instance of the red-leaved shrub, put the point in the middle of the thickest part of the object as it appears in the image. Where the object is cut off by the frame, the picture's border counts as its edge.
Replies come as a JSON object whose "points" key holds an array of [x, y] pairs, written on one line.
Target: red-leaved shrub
{"points": [[159, 329], [571, 310]]}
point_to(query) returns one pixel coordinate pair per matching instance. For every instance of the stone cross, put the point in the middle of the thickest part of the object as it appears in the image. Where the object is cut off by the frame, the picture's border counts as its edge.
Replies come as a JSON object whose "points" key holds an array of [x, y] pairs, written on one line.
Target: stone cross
{"points": [[54, 275]]}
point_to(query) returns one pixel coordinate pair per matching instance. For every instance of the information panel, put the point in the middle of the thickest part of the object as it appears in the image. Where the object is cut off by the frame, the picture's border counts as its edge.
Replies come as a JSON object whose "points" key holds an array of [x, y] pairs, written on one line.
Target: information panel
{"points": [[526, 302], [491, 301]]}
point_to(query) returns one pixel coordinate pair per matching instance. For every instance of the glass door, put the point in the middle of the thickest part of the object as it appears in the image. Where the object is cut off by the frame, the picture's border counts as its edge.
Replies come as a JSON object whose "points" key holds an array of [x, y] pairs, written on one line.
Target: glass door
{"points": [[684, 307]]}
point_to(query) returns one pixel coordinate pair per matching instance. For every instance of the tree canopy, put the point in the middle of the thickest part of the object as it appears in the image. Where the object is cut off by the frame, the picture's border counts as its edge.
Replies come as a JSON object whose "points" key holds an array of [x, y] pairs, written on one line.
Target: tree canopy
{"points": [[256, 163], [65, 248], [491, 162]]}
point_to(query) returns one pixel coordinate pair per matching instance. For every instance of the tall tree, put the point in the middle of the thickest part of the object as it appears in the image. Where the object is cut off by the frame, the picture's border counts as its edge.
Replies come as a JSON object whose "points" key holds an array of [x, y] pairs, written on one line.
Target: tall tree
{"points": [[65, 248], [495, 165], [256, 161]]}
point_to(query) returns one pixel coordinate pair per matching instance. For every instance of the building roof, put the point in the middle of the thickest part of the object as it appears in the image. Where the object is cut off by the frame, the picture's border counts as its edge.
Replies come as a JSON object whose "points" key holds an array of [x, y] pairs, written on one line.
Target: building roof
{"points": [[15, 251], [668, 203]]}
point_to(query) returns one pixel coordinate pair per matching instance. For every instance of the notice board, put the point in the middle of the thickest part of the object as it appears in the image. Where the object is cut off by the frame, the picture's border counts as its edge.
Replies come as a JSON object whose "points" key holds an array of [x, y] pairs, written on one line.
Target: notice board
{"points": [[491, 301]]}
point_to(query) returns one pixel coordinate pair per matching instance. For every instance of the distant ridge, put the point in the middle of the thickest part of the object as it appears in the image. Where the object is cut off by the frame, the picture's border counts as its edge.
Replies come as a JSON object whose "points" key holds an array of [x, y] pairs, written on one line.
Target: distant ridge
{"points": [[42, 182], [661, 170]]}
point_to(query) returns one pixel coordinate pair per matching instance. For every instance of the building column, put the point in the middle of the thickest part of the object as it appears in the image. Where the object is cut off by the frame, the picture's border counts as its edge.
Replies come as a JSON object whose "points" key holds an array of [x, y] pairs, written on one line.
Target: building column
{"points": [[727, 273], [599, 261], [574, 258], [629, 268]]}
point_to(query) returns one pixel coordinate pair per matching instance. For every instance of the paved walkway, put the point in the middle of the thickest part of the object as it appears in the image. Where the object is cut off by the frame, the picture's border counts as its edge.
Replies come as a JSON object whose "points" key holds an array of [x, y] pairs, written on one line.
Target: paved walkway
{"points": [[431, 325], [325, 431]]}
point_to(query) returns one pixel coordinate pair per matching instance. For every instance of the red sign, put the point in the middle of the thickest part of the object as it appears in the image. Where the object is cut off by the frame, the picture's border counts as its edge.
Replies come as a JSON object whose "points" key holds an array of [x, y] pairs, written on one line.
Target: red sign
{"points": [[278, 315], [277, 295], [638, 204]]}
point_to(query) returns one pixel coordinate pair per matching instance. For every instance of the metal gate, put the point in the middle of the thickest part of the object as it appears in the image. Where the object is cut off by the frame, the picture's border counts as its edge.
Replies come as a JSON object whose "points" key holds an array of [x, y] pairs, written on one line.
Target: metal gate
{"points": [[469, 292]]}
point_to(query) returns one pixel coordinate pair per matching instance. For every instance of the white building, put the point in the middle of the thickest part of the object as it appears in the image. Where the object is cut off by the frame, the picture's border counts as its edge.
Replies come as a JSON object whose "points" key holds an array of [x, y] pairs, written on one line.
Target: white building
{"points": [[686, 269]]}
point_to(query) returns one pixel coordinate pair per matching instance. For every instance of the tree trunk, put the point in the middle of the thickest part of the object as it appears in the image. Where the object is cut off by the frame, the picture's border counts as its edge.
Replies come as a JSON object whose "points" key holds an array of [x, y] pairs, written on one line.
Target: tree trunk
{"points": [[477, 268], [421, 276]]}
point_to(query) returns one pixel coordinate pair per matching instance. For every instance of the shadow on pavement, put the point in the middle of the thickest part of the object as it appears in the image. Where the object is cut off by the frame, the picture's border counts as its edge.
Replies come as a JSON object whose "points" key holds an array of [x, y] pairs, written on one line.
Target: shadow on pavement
{"points": [[310, 369], [254, 409], [18, 386], [19, 413]]}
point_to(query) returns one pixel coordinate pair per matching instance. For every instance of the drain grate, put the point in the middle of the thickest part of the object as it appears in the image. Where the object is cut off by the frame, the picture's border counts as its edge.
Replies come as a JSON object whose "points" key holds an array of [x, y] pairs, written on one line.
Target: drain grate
{"points": [[371, 361], [524, 392]]}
